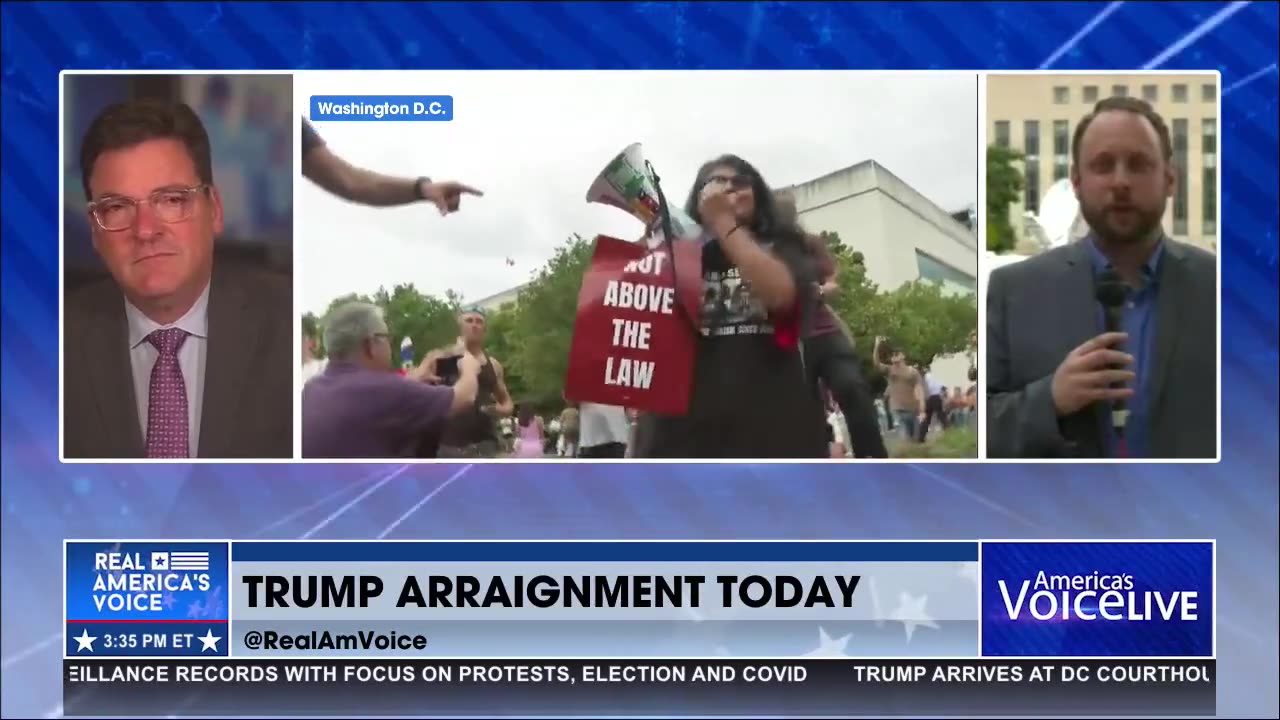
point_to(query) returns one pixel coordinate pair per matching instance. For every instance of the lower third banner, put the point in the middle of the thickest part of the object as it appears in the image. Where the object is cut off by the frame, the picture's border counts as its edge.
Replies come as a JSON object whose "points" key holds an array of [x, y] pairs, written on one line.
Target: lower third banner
{"points": [[646, 687]]}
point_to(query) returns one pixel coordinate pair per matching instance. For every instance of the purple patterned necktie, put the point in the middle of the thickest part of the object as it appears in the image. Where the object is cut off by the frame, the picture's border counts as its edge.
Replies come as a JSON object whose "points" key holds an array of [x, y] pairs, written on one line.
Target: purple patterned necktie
{"points": [[167, 403]]}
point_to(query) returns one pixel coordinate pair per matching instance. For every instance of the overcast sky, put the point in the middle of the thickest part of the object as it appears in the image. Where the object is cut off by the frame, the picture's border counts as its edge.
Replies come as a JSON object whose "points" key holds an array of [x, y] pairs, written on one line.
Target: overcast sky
{"points": [[534, 142]]}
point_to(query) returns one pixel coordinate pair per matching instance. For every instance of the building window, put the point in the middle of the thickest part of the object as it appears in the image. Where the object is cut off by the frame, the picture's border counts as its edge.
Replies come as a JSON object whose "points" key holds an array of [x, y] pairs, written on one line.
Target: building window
{"points": [[1180, 166], [1119, 90], [1061, 149], [1031, 154], [1179, 93], [1061, 95], [1208, 93], [934, 270], [1151, 93], [1209, 176], [1002, 133], [1090, 94]]}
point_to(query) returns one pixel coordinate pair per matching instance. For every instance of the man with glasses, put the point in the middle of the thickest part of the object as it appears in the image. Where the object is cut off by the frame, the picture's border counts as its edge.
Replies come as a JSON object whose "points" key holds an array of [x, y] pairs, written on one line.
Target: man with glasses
{"points": [[170, 357], [359, 407]]}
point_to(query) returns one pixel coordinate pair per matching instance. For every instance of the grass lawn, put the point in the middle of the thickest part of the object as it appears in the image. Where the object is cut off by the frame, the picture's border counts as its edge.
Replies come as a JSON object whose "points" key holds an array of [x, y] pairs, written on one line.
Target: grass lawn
{"points": [[952, 443]]}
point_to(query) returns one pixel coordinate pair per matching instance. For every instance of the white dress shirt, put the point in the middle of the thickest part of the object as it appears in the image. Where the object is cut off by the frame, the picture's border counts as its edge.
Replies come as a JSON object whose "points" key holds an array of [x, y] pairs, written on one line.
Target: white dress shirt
{"points": [[191, 358], [602, 424], [312, 368]]}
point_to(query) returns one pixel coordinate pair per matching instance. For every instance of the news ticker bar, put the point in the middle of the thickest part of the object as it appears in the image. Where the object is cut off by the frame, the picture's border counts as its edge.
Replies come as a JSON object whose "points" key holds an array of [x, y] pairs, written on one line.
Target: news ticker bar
{"points": [[605, 686]]}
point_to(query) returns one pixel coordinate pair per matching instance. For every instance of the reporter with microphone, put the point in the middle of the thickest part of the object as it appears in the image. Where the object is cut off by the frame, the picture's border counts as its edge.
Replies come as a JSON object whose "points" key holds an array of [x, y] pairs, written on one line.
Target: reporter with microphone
{"points": [[1106, 347]]}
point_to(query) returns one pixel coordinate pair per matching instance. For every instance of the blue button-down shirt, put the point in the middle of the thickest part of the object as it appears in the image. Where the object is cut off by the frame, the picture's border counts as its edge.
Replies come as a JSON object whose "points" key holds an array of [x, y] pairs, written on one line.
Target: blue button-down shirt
{"points": [[1138, 321]]}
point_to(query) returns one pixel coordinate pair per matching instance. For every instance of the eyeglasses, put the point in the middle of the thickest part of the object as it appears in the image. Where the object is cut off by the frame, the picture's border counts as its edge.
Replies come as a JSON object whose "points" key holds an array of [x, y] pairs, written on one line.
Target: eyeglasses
{"points": [[171, 205], [737, 182]]}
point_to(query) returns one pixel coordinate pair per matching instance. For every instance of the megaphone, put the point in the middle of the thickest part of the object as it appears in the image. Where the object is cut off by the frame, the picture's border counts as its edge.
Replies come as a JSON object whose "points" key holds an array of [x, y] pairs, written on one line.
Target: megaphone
{"points": [[629, 183]]}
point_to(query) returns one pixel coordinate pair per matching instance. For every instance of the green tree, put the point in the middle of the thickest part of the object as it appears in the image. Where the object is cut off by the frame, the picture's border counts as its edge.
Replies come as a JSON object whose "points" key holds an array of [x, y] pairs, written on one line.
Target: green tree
{"points": [[929, 321], [429, 322], [426, 320], [310, 321], [502, 340], [920, 317], [541, 328], [1004, 188]]}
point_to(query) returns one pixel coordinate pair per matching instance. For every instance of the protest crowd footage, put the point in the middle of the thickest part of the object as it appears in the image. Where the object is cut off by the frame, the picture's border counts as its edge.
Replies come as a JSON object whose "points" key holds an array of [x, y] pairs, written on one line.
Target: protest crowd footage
{"points": [[726, 328]]}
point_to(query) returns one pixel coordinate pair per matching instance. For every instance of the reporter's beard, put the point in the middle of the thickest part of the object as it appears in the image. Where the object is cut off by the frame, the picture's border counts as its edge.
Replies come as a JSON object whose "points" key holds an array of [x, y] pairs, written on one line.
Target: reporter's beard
{"points": [[1146, 226]]}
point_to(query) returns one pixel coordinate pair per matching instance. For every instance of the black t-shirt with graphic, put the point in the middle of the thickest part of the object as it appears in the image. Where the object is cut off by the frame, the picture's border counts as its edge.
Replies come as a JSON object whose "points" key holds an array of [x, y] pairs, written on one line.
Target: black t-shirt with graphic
{"points": [[750, 397]]}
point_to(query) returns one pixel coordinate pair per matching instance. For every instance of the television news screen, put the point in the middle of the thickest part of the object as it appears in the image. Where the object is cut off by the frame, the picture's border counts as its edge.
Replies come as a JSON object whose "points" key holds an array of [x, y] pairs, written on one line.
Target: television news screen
{"points": [[639, 360]]}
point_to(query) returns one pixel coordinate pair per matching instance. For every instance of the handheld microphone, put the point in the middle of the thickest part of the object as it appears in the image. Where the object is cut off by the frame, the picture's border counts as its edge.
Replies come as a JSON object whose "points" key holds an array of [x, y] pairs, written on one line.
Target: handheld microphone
{"points": [[1110, 291]]}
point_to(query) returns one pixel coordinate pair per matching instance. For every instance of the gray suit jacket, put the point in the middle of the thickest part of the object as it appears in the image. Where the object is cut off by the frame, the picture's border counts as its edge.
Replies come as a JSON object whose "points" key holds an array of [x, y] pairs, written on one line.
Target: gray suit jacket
{"points": [[1040, 309], [248, 383]]}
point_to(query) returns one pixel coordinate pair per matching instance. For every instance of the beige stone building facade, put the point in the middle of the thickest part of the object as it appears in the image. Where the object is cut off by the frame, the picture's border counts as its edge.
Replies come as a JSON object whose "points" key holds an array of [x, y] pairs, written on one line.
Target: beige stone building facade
{"points": [[1037, 116]]}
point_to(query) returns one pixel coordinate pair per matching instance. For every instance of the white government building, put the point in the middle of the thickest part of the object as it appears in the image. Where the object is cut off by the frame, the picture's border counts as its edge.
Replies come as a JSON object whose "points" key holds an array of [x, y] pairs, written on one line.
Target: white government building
{"points": [[902, 235]]}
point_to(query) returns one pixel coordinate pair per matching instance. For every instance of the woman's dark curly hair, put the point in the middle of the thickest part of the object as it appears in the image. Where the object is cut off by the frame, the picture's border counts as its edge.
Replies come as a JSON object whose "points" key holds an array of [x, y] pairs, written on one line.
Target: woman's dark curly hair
{"points": [[767, 223]]}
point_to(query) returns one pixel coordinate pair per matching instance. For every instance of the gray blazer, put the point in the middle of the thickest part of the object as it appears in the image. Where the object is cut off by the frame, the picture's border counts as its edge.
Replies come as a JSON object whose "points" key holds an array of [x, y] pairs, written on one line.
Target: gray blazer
{"points": [[1040, 309], [247, 410]]}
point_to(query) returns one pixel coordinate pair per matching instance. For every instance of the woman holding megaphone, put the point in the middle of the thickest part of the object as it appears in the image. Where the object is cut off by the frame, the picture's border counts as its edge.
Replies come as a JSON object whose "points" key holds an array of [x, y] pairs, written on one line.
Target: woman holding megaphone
{"points": [[750, 396]]}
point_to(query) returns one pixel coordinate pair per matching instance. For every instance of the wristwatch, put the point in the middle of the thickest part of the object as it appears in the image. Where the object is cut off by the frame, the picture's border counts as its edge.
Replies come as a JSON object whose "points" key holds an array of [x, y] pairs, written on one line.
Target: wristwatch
{"points": [[418, 186]]}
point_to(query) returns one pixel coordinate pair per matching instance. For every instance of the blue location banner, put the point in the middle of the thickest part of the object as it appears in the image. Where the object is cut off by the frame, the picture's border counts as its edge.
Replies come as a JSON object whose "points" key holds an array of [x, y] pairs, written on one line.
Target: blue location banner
{"points": [[1098, 599], [152, 598], [382, 108]]}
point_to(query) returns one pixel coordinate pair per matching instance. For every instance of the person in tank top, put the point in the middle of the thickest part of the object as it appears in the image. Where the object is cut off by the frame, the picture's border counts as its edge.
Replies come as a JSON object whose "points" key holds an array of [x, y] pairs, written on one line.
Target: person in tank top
{"points": [[473, 433]]}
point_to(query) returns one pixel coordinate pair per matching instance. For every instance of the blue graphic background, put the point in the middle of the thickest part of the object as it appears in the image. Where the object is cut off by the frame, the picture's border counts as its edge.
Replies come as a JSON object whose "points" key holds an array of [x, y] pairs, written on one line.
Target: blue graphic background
{"points": [[1235, 502], [604, 552], [1159, 567], [179, 605]]}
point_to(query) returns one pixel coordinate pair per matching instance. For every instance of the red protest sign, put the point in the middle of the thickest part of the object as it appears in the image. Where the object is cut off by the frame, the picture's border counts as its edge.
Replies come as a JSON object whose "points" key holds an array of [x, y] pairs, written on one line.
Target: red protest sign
{"points": [[635, 331]]}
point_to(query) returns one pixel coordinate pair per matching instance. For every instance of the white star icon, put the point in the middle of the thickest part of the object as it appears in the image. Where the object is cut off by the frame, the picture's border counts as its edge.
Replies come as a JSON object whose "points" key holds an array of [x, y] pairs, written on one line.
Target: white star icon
{"points": [[911, 614], [827, 647], [209, 641], [84, 641], [877, 612]]}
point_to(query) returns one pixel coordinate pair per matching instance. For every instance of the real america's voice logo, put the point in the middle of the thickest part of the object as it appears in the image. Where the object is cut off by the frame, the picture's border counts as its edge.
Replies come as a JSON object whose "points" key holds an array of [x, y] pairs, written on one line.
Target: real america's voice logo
{"points": [[133, 582], [1097, 599], [1094, 597]]}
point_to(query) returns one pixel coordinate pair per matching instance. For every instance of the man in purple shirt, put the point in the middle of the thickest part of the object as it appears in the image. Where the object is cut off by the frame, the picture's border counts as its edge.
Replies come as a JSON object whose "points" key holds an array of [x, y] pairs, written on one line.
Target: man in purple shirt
{"points": [[360, 408]]}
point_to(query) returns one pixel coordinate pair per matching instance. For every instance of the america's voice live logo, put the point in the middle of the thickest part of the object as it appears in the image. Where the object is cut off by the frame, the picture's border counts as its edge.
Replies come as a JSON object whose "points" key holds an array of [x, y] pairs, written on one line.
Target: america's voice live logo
{"points": [[1097, 599]]}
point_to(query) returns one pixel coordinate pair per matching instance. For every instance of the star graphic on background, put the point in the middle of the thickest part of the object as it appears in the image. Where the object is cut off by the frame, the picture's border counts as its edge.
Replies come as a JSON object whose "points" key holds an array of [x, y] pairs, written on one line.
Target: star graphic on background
{"points": [[877, 611], [209, 641], [911, 614], [169, 601], [827, 647], [84, 641]]}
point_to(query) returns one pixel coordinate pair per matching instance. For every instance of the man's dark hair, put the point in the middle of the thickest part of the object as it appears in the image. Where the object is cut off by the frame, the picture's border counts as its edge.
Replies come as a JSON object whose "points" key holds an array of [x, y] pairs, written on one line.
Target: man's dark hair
{"points": [[124, 125], [1129, 105]]}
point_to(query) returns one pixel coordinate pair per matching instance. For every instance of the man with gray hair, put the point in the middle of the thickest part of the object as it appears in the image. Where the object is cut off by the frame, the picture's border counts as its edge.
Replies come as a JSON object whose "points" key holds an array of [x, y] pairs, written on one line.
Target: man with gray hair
{"points": [[360, 408]]}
